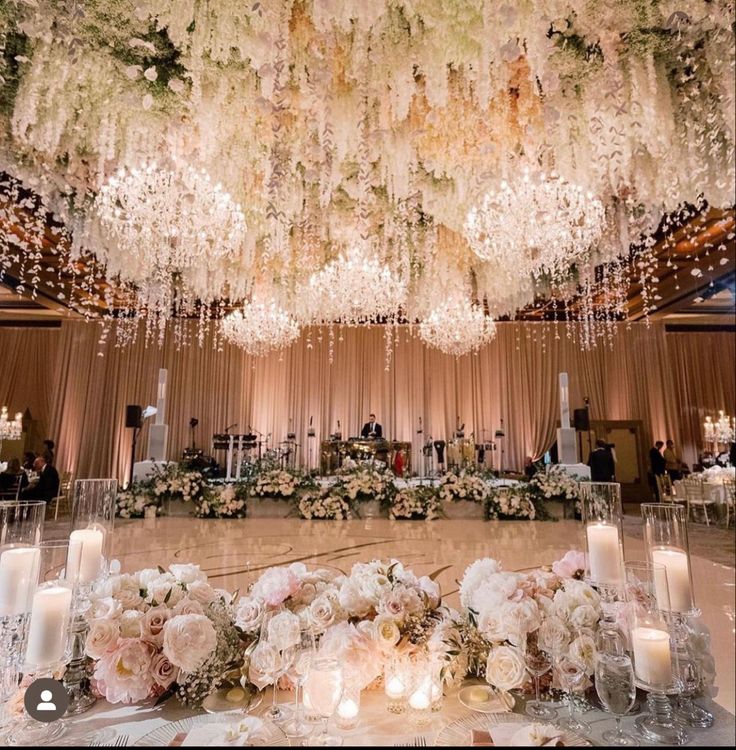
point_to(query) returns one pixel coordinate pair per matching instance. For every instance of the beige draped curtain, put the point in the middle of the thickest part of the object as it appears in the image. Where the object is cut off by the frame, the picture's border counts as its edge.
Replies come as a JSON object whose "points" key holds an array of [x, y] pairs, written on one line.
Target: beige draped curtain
{"points": [[78, 392]]}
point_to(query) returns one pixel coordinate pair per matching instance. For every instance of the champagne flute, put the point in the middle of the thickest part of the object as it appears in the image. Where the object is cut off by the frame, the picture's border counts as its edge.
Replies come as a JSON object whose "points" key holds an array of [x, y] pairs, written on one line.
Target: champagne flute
{"points": [[538, 662], [279, 636], [614, 683], [297, 673], [324, 686], [571, 674]]}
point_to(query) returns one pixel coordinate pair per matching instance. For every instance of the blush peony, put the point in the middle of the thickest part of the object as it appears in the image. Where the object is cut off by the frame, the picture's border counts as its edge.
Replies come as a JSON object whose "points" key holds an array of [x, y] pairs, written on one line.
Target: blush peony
{"points": [[188, 641]]}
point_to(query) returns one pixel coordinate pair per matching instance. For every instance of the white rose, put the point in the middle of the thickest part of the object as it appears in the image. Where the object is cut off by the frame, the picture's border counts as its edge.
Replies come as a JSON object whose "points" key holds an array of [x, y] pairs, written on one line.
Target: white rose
{"points": [[505, 668], [387, 631], [476, 574], [189, 640], [102, 637], [584, 616], [130, 623], [105, 608], [491, 625], [582, 650], [202, 592], [188, 606], [249, 614], [283, 630], [322, 611], [147, 575], [165, 590], [554, 635], [129, 592], [187, 573]]}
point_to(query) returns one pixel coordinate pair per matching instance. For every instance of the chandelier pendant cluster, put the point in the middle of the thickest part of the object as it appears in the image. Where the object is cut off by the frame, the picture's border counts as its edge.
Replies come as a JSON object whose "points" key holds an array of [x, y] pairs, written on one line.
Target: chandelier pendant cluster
{"points": [[260, 328], [10, 429], [719, 430], [457, 327]]}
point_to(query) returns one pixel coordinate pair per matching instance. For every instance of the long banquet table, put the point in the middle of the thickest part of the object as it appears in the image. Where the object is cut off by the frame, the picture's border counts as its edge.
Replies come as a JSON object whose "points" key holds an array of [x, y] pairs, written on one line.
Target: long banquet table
{"points": [[377, 726]]}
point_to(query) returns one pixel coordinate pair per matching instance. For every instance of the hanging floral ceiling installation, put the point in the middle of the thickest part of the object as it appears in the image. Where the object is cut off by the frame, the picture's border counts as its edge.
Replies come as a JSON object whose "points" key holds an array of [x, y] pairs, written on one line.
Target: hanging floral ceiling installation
{"points": [[509, 149]]}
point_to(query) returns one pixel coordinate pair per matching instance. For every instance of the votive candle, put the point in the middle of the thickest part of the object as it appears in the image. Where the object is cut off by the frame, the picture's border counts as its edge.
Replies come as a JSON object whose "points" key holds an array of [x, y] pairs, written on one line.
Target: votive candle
{"points": [[47, 632], [677, 580], [652, 657], [604, 553], [90, 560]]}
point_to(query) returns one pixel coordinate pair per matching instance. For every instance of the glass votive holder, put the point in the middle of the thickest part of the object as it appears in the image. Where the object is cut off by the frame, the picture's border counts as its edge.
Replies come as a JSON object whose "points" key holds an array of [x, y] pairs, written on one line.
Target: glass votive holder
{"points": [[437, 694], [396, 686], [347, 715], [420, 701]]}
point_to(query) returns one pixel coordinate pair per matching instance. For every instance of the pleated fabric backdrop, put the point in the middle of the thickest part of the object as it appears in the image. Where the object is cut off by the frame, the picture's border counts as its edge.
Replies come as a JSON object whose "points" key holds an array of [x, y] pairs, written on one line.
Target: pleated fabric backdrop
{"points": [[78, 391]]}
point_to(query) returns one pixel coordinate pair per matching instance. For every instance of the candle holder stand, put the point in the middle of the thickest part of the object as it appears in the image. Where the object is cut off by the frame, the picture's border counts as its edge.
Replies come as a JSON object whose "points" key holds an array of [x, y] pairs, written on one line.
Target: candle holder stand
{"points": [[76, 680], [689, 682], [659, 723]]}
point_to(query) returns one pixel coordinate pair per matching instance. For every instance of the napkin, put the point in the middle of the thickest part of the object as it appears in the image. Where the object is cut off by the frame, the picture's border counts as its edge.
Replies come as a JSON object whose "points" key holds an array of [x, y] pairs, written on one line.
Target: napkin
{"points": [[247, 731], [526, 735]]}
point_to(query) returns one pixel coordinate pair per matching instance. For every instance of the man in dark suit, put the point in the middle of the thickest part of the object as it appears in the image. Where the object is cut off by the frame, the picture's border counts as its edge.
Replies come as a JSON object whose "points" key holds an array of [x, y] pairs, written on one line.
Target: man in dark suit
{"points": [[371, 429], [656, 459], [602, 465], [47, 486]]}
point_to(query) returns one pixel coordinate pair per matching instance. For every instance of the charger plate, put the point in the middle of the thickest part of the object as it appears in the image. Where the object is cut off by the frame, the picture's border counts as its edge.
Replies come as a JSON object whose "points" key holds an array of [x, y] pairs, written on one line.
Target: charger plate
{"points": [[162, 736], [457, 734]]}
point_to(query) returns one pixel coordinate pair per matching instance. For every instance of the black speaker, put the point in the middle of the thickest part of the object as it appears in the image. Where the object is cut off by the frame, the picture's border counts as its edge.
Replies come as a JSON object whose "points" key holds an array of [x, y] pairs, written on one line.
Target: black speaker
{"points": [[133, 415], [581, 420]]}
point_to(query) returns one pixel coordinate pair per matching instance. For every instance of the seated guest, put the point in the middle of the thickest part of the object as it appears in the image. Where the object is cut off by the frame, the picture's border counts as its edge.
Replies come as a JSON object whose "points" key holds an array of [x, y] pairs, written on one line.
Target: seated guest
{"points": [[602, 465], [48, 451], [11, 476], [46, 486], [371, 429], [28, 458]]}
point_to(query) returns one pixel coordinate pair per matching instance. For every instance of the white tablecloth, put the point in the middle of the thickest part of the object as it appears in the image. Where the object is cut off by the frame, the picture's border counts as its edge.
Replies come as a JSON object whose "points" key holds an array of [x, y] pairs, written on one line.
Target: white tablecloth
{"points": [[377, 726]]}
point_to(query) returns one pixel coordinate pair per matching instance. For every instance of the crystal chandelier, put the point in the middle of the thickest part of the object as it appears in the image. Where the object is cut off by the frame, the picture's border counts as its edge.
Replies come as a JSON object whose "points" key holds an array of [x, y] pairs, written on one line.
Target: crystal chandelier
{"points": [[354, 288], [260, 327], [540, 225], [10, 429], [720, 431], [173, 235], [457, 327]]}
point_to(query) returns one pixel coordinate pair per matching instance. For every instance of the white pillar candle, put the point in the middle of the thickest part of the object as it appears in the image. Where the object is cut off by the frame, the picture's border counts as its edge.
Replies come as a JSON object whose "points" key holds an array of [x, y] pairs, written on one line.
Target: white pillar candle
{"points": [[652, 658], [604, 553], [348, 709], [419, 700], [677, 579], [91, 556], [47, 632], [395, 688], [18, 579]]}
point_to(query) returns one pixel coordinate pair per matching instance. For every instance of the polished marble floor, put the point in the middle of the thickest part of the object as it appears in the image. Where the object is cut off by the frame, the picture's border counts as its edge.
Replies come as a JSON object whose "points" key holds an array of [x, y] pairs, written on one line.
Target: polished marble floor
{"points": [[234, 552]]}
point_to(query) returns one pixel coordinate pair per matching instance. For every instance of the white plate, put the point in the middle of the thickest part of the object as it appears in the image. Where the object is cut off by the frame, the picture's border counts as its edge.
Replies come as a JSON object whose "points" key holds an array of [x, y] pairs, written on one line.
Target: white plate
{"points": [[162, 736], [457, 734], [496, 702]]}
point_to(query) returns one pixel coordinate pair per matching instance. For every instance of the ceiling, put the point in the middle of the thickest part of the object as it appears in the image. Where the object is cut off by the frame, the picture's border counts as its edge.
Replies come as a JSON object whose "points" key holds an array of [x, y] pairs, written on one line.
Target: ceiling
{"points": [[694, 262]]}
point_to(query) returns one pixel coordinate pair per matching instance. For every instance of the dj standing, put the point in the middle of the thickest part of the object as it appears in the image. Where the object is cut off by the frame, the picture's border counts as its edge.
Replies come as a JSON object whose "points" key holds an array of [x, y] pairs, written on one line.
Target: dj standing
{"points": [[371, 429]]}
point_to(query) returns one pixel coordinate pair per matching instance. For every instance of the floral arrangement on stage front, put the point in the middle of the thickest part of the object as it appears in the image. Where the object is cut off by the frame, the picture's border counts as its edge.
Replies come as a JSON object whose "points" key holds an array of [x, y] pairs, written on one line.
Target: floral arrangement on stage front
{"points": [[465, 484], [176, 482], [223, 501], [133, 501], [161, 631], [279, 483], [416, 503], [326, 503], [555, 484], [499, 608], [364, 482], [515, 502]]}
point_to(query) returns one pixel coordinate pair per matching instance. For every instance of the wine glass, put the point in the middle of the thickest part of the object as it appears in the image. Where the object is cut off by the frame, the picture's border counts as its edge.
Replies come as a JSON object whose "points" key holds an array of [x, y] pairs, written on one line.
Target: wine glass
{"points": [[614, 683], [297, 673], [279, 637], [571, 674], [538, 662], [324, 686]]}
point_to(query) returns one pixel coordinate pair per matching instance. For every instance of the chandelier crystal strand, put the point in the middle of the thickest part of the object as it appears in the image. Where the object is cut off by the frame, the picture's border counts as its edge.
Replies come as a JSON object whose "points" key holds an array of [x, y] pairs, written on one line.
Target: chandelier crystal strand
{"points": [[457, 327], [551, 221], [260, 328]]}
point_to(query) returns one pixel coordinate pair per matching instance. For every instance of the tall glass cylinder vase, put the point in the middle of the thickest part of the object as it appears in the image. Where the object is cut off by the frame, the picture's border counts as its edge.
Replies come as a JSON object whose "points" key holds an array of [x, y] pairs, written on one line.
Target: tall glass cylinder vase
{"points": [[653, 651], [93, 518], [21, 530], [48, 643], [666, 543], [604, 540]]}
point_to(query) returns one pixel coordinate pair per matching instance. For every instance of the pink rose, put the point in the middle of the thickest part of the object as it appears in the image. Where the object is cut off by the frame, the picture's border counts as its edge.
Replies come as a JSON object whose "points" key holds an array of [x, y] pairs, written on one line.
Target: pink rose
{"points": [[275, 586], [571, 565], [152, 624], [163, 671], [124, 675]]}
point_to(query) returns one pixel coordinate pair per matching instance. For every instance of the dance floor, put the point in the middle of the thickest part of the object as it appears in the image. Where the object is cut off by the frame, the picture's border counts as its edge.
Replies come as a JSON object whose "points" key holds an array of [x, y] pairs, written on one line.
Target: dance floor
{"points": [[234, 552]]}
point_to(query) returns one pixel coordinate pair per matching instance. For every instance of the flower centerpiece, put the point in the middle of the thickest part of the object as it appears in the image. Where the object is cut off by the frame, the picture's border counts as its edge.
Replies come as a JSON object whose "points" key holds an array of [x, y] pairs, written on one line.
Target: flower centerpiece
{"points": [[277, 483], [133, 501], [176, 482], [326, 503], [222, 501], [366, 481], [512, 502], [499, 608], [465, 484], [161, 631], [554, 484], [416, 503]]}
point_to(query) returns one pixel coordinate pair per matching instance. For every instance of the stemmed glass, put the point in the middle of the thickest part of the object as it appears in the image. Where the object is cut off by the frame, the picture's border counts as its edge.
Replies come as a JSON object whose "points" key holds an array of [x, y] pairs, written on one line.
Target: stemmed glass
{"points": [[538, 662], [571, 674], [279, 636], [297, 673], [614, 683], [324, 685]]}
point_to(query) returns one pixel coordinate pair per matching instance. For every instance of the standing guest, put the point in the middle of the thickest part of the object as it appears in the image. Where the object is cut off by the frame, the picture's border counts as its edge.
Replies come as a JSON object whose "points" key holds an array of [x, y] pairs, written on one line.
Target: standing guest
{"points": [[656, 459], [732, 454], [672, 462], [46, 486], [48, 451], [602, 465]]}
